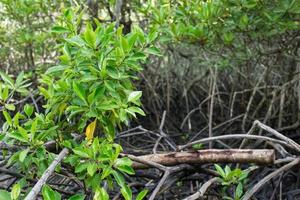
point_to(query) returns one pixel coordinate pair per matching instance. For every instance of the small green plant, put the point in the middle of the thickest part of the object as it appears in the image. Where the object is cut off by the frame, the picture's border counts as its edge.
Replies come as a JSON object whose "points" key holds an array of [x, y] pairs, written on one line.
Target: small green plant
{"points": [[232, 180]]}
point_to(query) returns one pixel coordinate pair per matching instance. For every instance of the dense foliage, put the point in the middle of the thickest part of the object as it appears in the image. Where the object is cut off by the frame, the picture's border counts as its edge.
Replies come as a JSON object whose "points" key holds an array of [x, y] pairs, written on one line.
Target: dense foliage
{"points": [[91, 87], [74, 74]]}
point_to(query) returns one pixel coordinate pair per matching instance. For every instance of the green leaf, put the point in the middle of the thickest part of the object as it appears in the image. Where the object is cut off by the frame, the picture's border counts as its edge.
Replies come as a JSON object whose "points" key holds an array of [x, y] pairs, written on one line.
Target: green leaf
{"points": [[77, 197], [119, 178], [152, 35], [44, 92], [106, 172], [132, 110], [49, 194], [134, 96], [142, 194], [59, 29], [4, 94], [244, 21], [11, 107], [79, 90], [81, 153], [123, 161], [127, 169], [57, 68], [80, 167], [132, 39], [7, 79], [92, 168], [7, 117], [197, 146], [244, 175], [15, 192], [238, 191], [18, 136], [20, 79], [126, 192], [101, 194], [220, 171], [4, 195], [124, 44], [90, 36], [28, 109], [227, 170], [228, 37], [153, 50], [107, 106], [138, 56], [23, 155], [76, 41]]}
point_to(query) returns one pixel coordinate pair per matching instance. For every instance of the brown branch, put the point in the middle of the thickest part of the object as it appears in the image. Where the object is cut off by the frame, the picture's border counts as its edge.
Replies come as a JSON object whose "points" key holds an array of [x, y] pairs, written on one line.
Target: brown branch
{"points": [[260, 156]]}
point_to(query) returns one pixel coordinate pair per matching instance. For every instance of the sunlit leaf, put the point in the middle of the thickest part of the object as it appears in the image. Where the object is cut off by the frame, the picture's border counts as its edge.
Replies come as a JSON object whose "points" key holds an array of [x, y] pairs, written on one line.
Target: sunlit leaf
{"points": [[134, 96], [142, 194]]}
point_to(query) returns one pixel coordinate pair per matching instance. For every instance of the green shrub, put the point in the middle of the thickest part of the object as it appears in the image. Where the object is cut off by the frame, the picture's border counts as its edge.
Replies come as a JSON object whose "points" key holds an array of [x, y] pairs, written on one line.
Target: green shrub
{"points": [[89, 91]]}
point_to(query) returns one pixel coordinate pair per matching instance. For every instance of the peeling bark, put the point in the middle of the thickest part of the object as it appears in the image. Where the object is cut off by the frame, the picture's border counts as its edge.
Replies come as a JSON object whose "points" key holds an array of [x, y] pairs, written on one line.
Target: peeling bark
{"points": [[260, 157]]}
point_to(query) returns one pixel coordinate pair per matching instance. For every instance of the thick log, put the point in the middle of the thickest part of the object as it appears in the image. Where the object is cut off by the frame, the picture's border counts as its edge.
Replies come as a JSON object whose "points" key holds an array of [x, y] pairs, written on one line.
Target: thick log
{"points": [[256, 156]]}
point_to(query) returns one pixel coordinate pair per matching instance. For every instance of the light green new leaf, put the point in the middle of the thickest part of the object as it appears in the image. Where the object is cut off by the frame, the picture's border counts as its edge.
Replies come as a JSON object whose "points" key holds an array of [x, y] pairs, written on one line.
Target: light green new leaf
{"points": [[134, 96], [101, 194], [154, 51], [15, 192], [4, 93], [125, 45], [81, 153], [28, 109], [90, 36], [23, 155], [142, 194], [119, 178], [126, 192], [77, 197], [79, 90], [238, 191], [92, 168], [7, 117], [220, 171], [7, 79], [11, 107], [76, 41], [57, 68], [134, 109], [127, 169], [49, 194]]}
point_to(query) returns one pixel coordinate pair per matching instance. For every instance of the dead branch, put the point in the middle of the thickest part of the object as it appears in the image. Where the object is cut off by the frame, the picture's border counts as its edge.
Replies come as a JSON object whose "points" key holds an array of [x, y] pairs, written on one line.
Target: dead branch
{"points": [[261, 157], [291, 143], [38, 186]]}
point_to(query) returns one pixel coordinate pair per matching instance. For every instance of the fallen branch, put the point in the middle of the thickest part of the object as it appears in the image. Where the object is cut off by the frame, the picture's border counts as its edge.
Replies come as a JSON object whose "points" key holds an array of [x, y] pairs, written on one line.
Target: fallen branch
{"points": [[260, 156]]}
